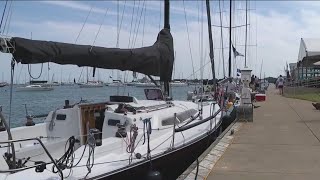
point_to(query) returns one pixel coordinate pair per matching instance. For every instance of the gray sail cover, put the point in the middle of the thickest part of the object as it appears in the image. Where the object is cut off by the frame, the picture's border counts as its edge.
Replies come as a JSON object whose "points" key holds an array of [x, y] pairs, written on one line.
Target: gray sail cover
{"points": [[156, 60]]}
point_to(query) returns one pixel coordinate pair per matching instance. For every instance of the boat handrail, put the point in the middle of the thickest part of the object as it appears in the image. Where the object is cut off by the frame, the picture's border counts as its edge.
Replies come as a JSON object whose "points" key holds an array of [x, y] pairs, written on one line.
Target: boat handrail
{"points": [[24, 168], [189, 126]]}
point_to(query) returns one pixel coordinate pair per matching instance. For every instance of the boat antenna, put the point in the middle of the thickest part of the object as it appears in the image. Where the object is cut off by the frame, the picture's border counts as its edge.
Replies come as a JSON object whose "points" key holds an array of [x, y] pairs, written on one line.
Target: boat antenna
{"points": [[230, 21], [211, 45]]}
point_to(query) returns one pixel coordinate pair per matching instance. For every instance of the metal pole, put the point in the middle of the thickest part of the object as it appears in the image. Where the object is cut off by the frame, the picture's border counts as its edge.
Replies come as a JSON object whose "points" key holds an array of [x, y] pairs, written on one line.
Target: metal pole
{"points": [[174, 129], [166, 26], [221, 34], [245, 47], [211, 45], [230, 21], [7, 126]]}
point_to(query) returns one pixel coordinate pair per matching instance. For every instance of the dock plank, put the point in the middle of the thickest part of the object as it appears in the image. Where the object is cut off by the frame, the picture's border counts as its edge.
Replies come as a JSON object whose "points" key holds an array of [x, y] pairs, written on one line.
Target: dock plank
{"points": [[281, 143]]}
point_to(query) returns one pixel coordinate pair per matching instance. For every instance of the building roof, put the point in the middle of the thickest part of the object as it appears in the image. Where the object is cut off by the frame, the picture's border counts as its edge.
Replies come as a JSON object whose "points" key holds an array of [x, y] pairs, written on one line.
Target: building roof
{"points": [[309, 47]]}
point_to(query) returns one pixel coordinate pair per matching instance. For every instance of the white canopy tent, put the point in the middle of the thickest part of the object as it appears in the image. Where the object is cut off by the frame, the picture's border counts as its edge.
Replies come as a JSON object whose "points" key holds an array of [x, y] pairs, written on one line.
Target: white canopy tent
{"points": [[317, 63], [309, 47]]}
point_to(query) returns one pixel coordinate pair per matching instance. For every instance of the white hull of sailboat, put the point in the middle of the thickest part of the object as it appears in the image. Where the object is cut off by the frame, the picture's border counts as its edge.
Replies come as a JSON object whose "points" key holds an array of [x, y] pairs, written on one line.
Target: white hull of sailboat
{"points": [[109, 157], [34, 89], [144, 85], [178, 84], [115, 84], [90, 85]]}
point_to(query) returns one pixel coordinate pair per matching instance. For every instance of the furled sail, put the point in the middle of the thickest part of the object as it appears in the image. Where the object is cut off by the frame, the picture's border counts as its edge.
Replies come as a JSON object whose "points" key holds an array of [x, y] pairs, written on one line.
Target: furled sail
{"points": [[156, 60]]}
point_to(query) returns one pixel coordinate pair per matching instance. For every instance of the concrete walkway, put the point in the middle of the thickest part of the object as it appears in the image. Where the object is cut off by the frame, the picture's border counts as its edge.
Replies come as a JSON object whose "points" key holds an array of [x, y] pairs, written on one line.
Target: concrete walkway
{"points": [[281, 143]]}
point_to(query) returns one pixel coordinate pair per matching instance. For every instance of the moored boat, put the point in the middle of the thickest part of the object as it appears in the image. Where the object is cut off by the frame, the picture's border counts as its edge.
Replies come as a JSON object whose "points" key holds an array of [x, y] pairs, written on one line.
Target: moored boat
{"points": [[35, 88]]}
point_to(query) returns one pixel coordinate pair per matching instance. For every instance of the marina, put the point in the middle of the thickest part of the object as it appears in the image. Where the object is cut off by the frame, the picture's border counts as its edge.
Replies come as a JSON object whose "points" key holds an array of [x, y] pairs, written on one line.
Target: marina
{"points": [[281, 144], [159, 90]]}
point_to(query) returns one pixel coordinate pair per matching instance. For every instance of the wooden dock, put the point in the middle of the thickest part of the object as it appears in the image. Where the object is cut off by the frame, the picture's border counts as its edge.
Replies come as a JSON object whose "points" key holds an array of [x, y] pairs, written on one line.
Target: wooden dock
{"points": [[282, 142]]}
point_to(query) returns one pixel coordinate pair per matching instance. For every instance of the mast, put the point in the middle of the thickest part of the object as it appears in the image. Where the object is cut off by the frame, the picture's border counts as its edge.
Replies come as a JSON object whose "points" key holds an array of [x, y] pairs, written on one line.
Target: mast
{"points": [[87, 74], [211, 44], [245, 46], [221, 34], [230, 21], [166, 26]]}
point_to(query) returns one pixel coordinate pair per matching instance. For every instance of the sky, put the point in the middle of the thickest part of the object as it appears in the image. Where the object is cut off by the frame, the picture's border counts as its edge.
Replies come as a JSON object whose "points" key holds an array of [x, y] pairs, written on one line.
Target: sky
{"points": [[274, 32]]}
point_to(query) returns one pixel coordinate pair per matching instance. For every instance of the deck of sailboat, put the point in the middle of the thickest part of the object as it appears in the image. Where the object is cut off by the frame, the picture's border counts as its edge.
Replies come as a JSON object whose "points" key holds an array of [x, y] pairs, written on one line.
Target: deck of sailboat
{"points": [[114, 149]]}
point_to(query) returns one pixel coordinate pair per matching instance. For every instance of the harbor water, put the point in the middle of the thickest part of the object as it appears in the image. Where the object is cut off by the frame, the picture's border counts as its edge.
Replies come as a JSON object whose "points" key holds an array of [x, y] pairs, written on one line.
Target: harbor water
{"points": [[38, 103]]}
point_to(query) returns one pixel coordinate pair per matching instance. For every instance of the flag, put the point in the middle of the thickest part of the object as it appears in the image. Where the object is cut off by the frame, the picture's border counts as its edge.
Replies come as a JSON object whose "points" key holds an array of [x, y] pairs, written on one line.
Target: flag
{"points": [[235, 52]]}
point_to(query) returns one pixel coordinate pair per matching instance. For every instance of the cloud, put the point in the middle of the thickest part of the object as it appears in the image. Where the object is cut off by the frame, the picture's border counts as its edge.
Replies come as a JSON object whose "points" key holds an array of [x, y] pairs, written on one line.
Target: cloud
{"points": [[79, 6]]}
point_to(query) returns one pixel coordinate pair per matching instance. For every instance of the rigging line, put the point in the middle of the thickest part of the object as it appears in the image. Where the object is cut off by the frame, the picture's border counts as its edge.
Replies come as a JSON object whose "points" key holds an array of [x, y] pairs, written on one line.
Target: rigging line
{"points": [[221, 36], [11, 90], [84, 23], [199, 34], [160, 14], [8, 27], [133, 8], [144, 23], [132, 38], [209, 61], [117, 43], [4, 11], [7, 17], [201, 41], [29, 71], [99, 29], [135, 25], [185, 17], [142, 10], [119, 29]]}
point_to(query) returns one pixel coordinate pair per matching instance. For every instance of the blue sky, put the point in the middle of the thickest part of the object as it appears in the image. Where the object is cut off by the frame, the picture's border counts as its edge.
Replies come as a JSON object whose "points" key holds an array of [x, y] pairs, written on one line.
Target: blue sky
{"points": [[276, 26]]}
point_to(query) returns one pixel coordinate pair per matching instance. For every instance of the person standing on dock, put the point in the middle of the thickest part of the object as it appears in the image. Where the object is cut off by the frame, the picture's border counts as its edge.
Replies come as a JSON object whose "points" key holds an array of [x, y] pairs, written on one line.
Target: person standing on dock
{"points": [[280, 83], [231, 87]]}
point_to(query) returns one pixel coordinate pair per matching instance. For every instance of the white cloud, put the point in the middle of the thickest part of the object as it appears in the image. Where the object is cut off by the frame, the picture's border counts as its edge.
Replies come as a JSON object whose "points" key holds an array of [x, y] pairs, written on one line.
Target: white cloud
{"points": [[79, 6]]}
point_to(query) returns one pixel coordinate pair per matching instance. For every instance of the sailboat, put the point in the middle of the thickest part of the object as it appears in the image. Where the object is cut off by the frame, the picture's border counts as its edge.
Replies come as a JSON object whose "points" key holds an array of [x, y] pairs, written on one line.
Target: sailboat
{"points": [[124, 138], [178, 84], [115, 83], [90, 84], [3, 84]]}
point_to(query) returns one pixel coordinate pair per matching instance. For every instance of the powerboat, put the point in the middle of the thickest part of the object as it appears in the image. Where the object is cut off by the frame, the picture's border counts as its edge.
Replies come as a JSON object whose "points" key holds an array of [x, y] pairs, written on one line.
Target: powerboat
{"points": [[91, 84], [3, 84], [35, 88], [178, 84], [144, 84], [115, 83]]}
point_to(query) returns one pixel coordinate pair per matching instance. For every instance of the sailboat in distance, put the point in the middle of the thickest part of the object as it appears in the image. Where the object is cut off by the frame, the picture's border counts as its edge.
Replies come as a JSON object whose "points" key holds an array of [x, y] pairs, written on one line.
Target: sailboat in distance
{"points": [[91, 84]]}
